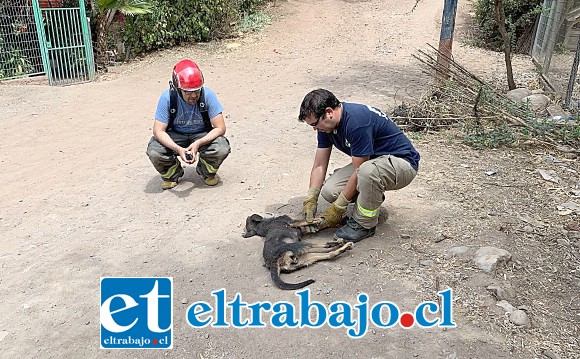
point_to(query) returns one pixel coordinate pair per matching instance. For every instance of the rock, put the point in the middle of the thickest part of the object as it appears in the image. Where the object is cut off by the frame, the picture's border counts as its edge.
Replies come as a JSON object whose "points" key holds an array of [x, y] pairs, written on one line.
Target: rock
{"points": [[549, 175], [562, 242], [488, 258], [520, 318], [536, 102], [506, 306], [534, 222], [426, 262], [528, 229], [458, 250], [502, 293], [568, 208], [550, 354], [516, 95]]}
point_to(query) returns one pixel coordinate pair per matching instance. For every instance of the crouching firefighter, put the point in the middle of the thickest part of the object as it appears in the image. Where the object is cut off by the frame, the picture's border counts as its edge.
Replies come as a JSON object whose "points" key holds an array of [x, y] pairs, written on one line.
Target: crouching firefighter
{"points": [[188, 123]]}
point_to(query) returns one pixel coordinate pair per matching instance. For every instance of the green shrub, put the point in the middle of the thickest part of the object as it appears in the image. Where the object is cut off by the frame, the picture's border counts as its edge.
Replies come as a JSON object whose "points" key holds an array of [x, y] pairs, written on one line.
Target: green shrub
{"points": [[179, 21], [520, 18]]}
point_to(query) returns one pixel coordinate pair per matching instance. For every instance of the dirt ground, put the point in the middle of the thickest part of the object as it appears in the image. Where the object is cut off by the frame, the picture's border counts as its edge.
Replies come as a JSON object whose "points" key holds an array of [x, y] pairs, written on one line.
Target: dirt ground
{"points": [[81, 200]]}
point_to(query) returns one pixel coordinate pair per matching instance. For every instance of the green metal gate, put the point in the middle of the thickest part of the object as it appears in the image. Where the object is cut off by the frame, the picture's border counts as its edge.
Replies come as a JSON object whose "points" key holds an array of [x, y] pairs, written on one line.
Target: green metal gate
{"points": [[19, 47], [65, 44]]}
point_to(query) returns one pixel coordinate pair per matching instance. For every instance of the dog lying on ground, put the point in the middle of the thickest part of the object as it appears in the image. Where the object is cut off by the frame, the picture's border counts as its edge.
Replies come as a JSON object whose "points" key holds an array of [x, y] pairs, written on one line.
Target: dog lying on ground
{"points": [[285, 252]]}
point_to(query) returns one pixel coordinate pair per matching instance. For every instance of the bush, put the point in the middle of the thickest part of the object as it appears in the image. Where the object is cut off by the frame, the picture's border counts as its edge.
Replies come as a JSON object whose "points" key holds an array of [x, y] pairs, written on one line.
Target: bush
{"points": [[520, 18], [178, 21]]}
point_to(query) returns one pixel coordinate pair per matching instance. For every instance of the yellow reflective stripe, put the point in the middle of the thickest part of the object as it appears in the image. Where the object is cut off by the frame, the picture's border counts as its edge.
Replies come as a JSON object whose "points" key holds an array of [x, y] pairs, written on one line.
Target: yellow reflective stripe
{"points": [[209, 167], [367, 212], [171, 171]]}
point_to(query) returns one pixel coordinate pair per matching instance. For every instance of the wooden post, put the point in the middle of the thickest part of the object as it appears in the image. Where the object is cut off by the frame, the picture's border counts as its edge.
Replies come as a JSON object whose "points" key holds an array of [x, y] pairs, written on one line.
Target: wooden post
{"points": [[446, 38]]}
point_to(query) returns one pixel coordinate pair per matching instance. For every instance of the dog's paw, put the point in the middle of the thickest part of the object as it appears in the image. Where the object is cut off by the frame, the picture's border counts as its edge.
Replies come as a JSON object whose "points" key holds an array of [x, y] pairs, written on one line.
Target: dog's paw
{"points": [[349, 245], [339, 241], [333, 244]]}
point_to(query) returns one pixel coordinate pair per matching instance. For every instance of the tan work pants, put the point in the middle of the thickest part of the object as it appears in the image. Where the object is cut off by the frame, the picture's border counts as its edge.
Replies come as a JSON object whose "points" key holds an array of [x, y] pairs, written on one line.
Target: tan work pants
{"points": [[374, 177]]}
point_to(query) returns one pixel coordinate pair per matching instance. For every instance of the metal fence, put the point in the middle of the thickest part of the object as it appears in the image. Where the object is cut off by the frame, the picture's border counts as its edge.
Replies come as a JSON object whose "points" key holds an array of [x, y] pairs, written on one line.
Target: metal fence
{"points": [[37, 39], [66, 44], [19, 46], [555, 48]]}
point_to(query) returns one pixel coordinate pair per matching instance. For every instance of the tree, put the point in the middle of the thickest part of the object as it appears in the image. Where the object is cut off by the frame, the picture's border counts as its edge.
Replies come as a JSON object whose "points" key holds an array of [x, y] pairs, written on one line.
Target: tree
{"points": [[500, 17], [106, 10]]}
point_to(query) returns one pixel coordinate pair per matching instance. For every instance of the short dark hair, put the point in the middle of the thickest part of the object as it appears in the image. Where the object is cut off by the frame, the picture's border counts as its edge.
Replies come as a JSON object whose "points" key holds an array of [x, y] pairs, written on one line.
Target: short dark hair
{"points": [[315, 102]]}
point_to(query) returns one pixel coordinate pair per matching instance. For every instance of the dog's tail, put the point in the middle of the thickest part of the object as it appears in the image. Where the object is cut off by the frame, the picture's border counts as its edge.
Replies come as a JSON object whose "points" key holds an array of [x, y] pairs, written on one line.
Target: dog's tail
{"points": [[275, 273]]}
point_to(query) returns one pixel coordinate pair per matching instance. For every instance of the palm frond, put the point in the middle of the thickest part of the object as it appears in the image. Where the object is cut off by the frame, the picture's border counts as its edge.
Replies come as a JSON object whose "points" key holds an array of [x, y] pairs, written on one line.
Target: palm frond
{"points": [[127, 7]]}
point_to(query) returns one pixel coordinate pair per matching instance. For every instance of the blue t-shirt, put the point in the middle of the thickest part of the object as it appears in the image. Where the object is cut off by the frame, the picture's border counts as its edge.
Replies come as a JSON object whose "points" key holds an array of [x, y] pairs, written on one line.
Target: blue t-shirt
{"points": [[366, 131], [188, 118]]}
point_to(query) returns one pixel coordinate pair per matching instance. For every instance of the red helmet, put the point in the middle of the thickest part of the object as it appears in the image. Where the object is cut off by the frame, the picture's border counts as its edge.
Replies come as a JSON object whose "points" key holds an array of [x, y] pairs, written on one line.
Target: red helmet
{"points": [[187, 75]]}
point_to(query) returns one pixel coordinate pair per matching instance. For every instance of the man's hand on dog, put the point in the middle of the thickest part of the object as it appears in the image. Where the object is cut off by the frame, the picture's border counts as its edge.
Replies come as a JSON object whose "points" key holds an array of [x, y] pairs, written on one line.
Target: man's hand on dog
{"points": [[310, 204], [330, 218], [307, 227]]}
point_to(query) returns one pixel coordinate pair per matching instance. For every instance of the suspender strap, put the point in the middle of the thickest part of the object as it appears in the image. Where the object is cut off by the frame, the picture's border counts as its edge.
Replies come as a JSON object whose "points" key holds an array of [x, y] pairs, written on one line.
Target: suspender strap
{"points": [[173, 104], [204, 111]]}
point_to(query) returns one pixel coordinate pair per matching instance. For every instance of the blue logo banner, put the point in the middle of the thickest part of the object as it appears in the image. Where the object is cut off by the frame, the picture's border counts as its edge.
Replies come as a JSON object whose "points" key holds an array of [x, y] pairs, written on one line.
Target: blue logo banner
{"points": [[136, 313]]}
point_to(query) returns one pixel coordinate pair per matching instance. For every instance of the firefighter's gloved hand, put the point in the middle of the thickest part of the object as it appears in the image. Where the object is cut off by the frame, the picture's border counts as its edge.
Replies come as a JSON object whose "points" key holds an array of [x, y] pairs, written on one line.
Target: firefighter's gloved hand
{"points": [[310, 204], [333, 215], [307, 227]]}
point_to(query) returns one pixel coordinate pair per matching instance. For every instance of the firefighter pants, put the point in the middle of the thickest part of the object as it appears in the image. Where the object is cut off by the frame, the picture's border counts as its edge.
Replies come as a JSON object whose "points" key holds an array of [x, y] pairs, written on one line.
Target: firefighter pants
{"points": [[374, 177], [210, 156]]}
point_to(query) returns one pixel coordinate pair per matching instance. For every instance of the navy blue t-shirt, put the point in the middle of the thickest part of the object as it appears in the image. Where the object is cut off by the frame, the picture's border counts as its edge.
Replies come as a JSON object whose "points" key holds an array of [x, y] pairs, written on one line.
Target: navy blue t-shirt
{"points": [[366, 131]]}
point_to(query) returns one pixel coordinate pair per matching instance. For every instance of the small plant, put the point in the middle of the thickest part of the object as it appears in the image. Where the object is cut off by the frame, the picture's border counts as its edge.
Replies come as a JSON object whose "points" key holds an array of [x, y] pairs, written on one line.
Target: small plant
{"points": [[13, 63], [253, 22], [560, 48], [500, 136]]}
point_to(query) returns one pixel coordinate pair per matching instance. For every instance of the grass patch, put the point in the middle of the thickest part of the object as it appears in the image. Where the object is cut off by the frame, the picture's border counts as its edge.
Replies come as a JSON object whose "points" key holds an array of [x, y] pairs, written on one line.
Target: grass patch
{"points": [[253, 22]]}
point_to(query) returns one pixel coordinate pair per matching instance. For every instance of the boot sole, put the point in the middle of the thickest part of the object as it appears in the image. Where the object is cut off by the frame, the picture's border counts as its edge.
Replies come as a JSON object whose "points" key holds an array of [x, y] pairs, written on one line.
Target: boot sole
{"points": [[370, 234]]}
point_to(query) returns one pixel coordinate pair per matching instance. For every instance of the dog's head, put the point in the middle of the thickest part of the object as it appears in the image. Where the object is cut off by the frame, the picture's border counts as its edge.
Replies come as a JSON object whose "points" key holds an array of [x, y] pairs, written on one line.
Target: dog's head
{"points": [[252, 223], [257, 225]]}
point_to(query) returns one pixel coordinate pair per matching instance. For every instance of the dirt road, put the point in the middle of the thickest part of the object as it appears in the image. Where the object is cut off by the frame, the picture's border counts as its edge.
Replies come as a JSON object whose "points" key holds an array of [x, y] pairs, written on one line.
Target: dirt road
{"points": [[81, 201]]}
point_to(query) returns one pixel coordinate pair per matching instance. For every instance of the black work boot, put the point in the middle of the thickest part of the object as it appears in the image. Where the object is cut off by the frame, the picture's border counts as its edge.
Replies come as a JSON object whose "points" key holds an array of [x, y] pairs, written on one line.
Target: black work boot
{"points": [[353, 232]]}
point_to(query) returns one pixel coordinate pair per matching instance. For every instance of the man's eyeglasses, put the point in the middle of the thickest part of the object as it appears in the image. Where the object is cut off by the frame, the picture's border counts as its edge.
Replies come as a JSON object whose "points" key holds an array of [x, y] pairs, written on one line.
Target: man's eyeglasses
{"points": [[189, 92], [316, 123]]}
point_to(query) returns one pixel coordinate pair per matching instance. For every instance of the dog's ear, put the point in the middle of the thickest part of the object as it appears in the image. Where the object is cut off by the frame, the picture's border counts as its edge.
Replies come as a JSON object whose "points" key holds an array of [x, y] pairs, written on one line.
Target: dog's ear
{"points": [[251, 224], [256, 218]]}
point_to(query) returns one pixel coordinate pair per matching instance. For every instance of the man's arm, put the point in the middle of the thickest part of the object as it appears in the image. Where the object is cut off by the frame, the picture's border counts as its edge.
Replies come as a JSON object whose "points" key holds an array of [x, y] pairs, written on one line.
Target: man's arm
{"points": [[160, 133], [319, 167], [219, 129]]}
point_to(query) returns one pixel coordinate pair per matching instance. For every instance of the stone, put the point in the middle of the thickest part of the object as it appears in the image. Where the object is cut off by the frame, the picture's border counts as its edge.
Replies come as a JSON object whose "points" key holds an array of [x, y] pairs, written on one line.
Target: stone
{"points": [[502, 293], [520, 318], [506, 306], [556, 110], [536, 102], [488, 258], [458, 250], [516, 95]]}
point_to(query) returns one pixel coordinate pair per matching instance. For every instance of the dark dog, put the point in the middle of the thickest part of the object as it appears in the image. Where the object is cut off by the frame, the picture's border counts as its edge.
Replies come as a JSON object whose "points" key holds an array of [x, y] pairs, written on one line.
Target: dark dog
{"points": [[285, 252]]}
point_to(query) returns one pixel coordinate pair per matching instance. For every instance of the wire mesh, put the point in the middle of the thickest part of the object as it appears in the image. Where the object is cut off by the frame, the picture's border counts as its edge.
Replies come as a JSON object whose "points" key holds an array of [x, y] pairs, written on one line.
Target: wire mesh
{"points": [[20, 53], [65, 44], [555, 46]]}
